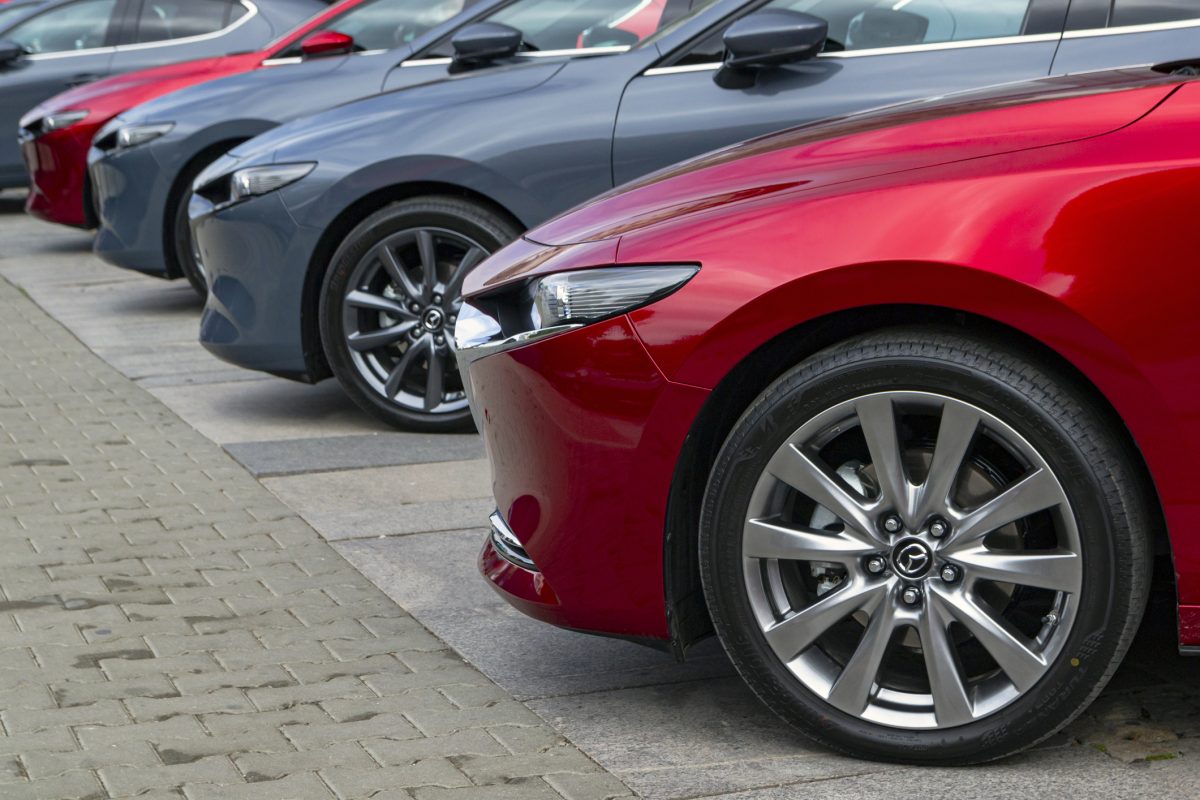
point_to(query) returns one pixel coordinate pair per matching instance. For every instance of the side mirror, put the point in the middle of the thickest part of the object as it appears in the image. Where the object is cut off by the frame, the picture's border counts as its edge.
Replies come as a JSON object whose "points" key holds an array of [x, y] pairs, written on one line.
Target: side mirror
{"points": [[485, 41], [327, 43], [10, 51], [775, 36]]}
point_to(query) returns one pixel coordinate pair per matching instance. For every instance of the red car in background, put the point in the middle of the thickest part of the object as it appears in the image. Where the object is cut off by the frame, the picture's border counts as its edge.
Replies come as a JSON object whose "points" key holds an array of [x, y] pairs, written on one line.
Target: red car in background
{"points": [[57, 158], [900, 405]]}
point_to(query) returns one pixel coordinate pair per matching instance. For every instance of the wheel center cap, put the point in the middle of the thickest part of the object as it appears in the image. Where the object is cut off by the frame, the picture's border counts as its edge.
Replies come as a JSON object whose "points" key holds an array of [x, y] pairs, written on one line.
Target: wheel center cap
{"points": [[912, 559], [432, 319]]}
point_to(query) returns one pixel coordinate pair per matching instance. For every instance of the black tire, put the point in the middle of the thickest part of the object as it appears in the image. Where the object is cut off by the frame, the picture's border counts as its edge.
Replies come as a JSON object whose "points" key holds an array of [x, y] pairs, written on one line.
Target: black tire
{"points": [[476, 230], [185, 257], [1093, 465]]}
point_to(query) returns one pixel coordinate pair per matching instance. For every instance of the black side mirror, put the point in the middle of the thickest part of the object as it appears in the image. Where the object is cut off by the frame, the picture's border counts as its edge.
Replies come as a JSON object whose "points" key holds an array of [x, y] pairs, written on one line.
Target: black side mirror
{"points": [[771, 37], [485, 41], [10, 51]]}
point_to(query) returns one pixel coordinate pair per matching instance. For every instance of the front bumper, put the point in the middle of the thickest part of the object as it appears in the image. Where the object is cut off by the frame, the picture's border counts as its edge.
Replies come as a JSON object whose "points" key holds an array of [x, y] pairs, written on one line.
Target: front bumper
{"points": [[130, 190], [257, 258], [57, 167], [583, 433]]}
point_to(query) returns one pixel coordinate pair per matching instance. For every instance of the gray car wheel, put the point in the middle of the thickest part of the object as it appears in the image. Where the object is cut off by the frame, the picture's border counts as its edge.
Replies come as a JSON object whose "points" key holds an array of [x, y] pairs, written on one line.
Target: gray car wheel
{"points": [[921, 547], [390, 301]]}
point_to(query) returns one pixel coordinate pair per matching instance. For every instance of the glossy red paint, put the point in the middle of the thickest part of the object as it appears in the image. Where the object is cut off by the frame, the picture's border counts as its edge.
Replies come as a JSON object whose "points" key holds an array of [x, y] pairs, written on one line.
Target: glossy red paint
{"points": [[1064, 217], [57, 161]]}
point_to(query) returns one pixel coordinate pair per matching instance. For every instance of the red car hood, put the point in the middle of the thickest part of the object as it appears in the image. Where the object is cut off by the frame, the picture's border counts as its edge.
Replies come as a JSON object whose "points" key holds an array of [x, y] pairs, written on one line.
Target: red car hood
{"points": [[874, 143], [143, 84]]}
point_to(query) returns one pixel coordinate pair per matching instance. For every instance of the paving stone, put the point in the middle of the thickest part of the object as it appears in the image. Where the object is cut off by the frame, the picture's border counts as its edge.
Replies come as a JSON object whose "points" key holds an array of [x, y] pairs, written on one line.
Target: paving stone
{"points": [[348, 756], [428, 772], [375, 726], [125, 780], [301, 786], [329, 453]]}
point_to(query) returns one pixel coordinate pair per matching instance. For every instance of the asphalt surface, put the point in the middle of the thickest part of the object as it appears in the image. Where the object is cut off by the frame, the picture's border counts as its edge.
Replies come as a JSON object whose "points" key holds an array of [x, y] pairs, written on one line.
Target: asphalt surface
{"points": [[406, 512]]}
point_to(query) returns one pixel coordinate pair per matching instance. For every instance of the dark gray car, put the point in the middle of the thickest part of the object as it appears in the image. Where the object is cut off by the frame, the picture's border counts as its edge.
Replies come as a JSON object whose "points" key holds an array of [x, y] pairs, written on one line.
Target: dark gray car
{"points": [[71, 42], [140, 191], [337, 244]]}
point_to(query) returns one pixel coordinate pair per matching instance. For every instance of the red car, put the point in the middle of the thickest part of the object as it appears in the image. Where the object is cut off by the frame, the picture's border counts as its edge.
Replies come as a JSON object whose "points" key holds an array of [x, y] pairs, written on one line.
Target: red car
{"points": [[900, 405], [57, 159]]}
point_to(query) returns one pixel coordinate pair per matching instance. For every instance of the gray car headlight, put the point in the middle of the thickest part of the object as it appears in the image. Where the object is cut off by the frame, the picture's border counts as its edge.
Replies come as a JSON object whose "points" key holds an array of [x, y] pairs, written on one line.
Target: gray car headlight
{"points": [[64, 119], [590, 295], [253, 181], [134, 135]]}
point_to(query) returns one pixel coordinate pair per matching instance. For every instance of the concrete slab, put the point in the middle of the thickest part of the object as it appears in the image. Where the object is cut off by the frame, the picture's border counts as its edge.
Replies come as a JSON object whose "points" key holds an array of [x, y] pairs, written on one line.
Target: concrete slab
{"points": [[434, 577], [269, 409], [329, 453]]}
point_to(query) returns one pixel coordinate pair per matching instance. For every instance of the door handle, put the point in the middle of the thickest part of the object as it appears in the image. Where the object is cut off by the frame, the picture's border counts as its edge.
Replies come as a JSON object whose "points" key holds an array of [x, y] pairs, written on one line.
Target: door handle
{"points": [[84, 77]]}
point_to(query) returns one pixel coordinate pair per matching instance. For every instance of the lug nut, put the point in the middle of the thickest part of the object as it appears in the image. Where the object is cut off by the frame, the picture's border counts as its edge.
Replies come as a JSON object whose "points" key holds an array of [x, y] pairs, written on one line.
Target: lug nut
{"points": [[911, 595], [415, 307], [437, 298], [893, 524], [938, 529], [876, 565], [440, 340], [950, 573]]}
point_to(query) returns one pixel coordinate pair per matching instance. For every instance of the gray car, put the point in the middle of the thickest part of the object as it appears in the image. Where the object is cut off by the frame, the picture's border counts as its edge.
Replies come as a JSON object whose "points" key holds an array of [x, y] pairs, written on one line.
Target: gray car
{"points": [[337, 244], [66, 43], [140, 192]]}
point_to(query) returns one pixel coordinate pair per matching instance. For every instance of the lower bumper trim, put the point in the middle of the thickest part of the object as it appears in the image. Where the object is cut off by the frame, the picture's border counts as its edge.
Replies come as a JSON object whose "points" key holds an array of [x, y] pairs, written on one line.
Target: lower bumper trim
{"points": [[508, 545]]}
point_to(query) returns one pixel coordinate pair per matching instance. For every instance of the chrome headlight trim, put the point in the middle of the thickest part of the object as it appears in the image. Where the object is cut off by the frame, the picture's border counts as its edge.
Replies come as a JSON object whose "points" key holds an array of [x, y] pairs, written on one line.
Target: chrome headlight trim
{"points": [[135, 135]]}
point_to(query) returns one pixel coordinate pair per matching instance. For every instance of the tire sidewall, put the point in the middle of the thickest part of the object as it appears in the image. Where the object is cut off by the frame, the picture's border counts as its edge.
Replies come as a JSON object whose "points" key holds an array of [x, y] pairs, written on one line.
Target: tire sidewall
{"points": [[1102, 611], [479, 224]]}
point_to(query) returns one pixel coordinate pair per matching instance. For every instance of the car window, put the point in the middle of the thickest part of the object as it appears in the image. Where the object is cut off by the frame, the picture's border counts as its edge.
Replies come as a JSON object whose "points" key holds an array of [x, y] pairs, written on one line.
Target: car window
{"points": [[76, 26], [1148, 12], [7, 15], [384, 24], [871, 24], [162, 20], [577, 24]]}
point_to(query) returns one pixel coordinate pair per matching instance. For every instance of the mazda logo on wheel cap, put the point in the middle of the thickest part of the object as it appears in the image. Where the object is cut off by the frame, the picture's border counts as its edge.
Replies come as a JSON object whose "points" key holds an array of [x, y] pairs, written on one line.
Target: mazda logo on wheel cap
{"points": [[912, 558]]}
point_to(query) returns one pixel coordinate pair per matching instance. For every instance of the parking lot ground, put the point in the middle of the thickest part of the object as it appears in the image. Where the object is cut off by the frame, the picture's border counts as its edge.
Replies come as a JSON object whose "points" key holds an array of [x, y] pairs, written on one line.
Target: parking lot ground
{"points": [[407, 513]]}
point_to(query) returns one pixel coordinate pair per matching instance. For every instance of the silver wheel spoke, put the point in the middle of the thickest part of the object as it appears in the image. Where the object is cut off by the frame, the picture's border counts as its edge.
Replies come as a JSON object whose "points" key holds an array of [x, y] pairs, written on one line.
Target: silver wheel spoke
{"points": [[470, 261], [435, 382], [877, 418], [764, 539], [793, 635], [427, 247], [951, 706], [1058, 570], [852, 690], [365, 342], [396, 272], [1035, 492], [408, 360], [374, 302], [792, 466], [956, 432], [1022, 666]]}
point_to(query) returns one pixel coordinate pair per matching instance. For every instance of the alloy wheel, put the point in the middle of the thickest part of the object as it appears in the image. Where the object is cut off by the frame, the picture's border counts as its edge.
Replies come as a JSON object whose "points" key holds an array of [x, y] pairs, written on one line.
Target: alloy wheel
{"points": [[912, 560], [399, 312]]}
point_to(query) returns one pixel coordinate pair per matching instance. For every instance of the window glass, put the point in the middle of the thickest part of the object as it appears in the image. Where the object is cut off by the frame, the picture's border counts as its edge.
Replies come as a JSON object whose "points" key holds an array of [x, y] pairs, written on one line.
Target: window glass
{"points": [[868, 24], [162, 20], [1148, 12], [384, 24], [572, 24], [7, 15], [77, 26]]}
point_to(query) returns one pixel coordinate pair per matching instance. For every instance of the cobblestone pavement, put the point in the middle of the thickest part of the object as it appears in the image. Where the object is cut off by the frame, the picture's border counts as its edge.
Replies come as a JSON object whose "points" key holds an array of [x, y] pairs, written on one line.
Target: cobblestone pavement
{"points": [[407, 511], [169, 628]]}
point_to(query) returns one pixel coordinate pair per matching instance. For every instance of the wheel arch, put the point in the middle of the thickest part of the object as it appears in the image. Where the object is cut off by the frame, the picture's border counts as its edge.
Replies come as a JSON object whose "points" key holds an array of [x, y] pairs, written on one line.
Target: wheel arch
{"points": [[341, 225], [187, 173], [686, 609]]}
